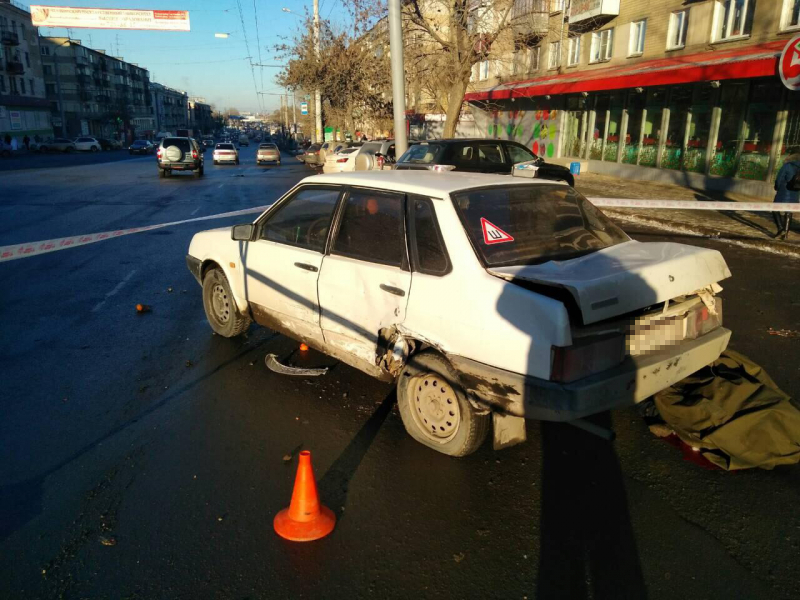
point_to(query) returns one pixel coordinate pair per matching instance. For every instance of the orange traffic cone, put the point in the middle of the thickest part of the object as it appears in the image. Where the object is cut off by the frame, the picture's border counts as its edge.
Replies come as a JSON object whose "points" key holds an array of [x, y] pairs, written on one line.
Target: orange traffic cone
{"points": [[305, 519]]}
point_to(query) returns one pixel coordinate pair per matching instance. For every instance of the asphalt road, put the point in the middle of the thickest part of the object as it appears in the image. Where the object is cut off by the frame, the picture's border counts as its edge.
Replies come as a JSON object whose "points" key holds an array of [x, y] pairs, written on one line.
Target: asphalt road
{"points": [[144, 457], [58, 160]]}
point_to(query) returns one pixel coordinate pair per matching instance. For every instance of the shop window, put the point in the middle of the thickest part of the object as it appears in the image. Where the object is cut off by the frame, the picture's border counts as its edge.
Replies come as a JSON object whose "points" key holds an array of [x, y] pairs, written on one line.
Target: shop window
{"points": [[733, 19], [791, 137], [614, 122], [600, 112], [636, 42], [652, 133], [636, 103], [574, 56], [678, 26], [790, 19], [758, 130], [576, 124], [733, 101], [699, 129], [680, 102], [554, 58], [602, 46]]}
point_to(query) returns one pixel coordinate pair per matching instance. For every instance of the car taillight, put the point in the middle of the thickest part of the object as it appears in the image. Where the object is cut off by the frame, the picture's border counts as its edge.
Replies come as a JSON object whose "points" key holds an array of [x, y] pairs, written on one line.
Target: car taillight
{"points": [[158, 153], [342, 160], [700, 321], [586, 357], [194, 153]]}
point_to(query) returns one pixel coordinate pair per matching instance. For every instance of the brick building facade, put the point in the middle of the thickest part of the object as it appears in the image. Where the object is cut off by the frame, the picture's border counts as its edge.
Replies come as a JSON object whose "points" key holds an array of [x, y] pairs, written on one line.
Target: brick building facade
{"points": [[675, 90]]}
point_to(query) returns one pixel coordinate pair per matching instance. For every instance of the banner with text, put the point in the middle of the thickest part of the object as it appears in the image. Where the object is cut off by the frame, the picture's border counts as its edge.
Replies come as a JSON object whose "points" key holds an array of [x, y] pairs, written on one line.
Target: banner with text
{"points": [[109, 18]]}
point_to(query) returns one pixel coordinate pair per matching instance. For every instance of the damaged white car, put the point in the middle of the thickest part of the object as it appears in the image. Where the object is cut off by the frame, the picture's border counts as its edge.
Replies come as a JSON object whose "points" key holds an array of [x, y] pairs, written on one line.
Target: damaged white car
{"points": [[487, 298]]}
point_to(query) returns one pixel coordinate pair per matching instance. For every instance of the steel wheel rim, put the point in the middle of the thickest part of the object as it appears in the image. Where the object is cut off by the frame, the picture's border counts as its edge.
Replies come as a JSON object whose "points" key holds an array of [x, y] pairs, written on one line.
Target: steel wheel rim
{"points": [[434, 405], [220, 303]]}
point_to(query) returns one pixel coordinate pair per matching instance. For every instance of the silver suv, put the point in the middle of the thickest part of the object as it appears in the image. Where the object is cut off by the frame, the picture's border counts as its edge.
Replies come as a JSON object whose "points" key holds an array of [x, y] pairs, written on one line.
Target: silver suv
{"points": [[179, 154]]}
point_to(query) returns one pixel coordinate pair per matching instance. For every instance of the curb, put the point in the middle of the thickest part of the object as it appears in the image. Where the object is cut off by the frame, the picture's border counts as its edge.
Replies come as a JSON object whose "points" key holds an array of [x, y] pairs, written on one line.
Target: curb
{"points": [[771, 246]]}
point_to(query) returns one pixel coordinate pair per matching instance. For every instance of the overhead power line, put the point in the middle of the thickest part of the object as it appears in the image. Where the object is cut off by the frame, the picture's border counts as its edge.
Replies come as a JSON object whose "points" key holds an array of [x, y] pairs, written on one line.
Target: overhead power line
{"points": [[250, 56], [258, 40]]}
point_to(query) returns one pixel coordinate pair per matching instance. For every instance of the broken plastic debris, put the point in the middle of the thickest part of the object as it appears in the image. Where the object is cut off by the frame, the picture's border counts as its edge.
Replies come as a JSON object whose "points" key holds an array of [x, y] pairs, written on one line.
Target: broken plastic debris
{"points": [[272, 363], [787, 333], [458, 557], [143, 308], [108, 541]]}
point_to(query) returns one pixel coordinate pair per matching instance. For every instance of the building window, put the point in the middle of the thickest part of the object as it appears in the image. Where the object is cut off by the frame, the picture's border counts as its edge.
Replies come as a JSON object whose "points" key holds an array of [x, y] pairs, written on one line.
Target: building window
{"points": [[2, 84], [535, 53], [50, 89], [556, 5], [33, 89], [678, 25], [483, 71], [27, 60], [47, 69], [22, 85], [733, 19], [636, 43], [791, 14], [555, 55], [602, 46], [45, 50], [574, 56]]}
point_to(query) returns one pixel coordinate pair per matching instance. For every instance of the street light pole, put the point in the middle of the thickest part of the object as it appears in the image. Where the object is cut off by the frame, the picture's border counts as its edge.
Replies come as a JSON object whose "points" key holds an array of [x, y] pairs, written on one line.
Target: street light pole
{"points": [[398, 77], [317, 94]]}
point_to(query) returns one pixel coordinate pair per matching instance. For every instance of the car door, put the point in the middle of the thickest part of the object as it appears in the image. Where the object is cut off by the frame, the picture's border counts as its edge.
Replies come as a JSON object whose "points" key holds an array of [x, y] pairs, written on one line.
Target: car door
{"points": [[462, 156], [283, 264], [365, 278]]}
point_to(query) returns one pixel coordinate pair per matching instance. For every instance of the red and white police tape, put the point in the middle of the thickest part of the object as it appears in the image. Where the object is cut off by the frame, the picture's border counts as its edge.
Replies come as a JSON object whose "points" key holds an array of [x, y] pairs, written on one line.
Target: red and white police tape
{"points": [[42, 247]]}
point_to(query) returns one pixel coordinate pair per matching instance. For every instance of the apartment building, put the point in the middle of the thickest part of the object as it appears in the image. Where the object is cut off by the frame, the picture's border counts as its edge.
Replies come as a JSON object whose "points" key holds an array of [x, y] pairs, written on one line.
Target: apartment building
{"points": [[91, 93], [675, 90], [171, 108], [200, 118], [24, 109]]}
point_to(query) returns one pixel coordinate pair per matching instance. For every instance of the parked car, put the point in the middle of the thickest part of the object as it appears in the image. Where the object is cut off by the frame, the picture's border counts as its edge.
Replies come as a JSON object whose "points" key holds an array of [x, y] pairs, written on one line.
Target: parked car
{"points": [[107, 144], [179, 154], [5, 149], [58, 145], [311, 156], [208, 141], [527, 301], [375, 155], [479, 156], [268, 153], [87, 144], [141, 147], [226, 152], [344, 160]]}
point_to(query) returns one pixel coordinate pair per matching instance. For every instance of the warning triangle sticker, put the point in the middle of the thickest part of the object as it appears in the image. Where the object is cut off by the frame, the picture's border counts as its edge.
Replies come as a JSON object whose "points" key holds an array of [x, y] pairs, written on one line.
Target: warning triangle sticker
{"points": [[492, 234]]}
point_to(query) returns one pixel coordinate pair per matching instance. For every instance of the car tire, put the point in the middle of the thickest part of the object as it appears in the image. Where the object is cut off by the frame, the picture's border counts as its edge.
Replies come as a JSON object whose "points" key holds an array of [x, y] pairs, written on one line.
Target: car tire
{"points": [[199, 172], [93, 148], [237, 161], [221, 311], [69, 150], [162, 173], [167, 172], [215, 162], [278, 164], [130, 152], [429, 395]]}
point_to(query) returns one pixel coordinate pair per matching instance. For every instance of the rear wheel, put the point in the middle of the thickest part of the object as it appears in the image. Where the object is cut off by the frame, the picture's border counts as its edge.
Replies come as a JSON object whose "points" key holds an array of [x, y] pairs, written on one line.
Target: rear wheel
{"points": [[161, 173], [69, 149], [220, 307], [199, 172], [94, 148], [167, 172], [434, 408], [237, 161]]}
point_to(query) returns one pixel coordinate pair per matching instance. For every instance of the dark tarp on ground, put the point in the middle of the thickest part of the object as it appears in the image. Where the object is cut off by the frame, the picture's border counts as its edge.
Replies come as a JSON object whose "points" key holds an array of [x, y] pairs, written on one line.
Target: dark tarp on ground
{"points": [[736, 415]]}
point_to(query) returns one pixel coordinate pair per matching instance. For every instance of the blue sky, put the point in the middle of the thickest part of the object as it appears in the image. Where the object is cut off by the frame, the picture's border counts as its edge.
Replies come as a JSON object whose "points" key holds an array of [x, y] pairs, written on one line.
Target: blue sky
{"points": [[196, 61]]}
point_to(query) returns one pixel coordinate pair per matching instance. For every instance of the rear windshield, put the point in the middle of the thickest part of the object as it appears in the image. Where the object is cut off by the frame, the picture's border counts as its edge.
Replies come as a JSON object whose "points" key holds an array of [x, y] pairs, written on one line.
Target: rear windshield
{"points": [[348, 150], [268, 147], [181, 143], [533, 224], [225, 147], [423, 154], [371, 148], [140, 143]]}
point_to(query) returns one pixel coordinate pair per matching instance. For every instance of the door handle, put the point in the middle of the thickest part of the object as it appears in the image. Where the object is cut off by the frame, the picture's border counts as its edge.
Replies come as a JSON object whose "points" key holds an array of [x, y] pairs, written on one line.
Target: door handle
{"points": [[392, 290], [306, 267]]}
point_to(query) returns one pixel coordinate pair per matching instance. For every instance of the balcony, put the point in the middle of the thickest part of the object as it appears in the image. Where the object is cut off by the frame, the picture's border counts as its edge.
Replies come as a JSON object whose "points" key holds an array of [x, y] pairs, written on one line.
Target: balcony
{"points": [[530, 17], [118, 71], [81, 61], [9, 38], [15, 67], [83, 79], [120, 87], [583, 10], [102, 98], [85, 96]]}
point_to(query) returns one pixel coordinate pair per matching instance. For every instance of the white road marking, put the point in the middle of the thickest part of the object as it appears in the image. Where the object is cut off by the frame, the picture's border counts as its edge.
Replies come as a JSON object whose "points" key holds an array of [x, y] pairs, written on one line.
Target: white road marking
{"points": [[220, 185], [195, 211], [113, 292]]}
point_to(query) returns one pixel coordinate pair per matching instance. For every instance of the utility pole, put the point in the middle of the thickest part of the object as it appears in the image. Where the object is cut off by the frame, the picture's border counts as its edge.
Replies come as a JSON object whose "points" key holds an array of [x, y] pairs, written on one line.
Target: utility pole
{"points": [[294, 113], [398, 77], [58, 89], [317, 95]]}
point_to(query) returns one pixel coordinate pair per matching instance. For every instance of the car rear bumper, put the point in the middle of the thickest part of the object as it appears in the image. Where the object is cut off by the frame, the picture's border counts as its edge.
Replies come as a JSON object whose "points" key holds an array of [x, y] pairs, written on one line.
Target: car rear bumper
{"points": [[225, 158], [636, 379], [180, 166]]}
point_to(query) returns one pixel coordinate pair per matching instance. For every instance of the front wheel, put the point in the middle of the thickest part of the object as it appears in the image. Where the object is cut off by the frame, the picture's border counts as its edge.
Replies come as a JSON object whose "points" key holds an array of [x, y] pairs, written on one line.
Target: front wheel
{"points": [[69, 150], [434, 408], [220, 307]]}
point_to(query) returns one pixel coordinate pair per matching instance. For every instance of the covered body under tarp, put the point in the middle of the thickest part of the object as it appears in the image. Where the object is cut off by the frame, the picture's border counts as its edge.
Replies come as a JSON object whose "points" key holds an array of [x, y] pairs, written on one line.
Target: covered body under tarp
{"points": [[734, 414]]}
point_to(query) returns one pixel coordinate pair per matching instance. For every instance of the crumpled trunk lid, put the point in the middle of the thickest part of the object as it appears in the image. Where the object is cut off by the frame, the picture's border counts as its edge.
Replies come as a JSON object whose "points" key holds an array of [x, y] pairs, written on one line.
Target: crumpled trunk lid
{"points": [[626, 277]]}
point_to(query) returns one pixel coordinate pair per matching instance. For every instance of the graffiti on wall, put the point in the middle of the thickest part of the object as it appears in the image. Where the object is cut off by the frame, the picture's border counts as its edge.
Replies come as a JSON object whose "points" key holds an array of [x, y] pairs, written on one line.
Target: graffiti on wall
{"points": [[537, 129]]}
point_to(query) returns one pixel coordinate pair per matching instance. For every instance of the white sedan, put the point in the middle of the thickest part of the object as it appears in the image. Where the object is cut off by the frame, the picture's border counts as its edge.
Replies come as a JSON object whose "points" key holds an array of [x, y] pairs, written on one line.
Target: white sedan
{"points": [[87, 144], [225, 152], [488, 299], [344, 160]]}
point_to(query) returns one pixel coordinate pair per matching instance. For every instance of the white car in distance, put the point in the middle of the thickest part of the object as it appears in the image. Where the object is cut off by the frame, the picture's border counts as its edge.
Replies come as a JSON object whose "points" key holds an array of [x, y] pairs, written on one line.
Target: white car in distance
{"points": [[87, 144], [488, 299], [225, 153]]}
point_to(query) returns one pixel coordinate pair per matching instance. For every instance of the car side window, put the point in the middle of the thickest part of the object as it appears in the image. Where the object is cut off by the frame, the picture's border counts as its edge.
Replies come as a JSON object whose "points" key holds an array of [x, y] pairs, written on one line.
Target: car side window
{"points": [[463, 155], [303, 220], [428, 250], [372, 228], [491, 154], [519, 154]]}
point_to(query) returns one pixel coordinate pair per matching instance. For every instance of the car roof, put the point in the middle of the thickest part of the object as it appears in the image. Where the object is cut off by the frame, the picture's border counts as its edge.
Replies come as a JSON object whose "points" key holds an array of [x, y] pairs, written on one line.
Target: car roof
{"points": [[422, 182], [459, 140]]}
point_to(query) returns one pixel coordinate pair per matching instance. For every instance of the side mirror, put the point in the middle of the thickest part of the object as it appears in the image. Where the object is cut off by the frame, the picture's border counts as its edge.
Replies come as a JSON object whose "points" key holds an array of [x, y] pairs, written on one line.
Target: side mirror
{"points": [[243, 233]]}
